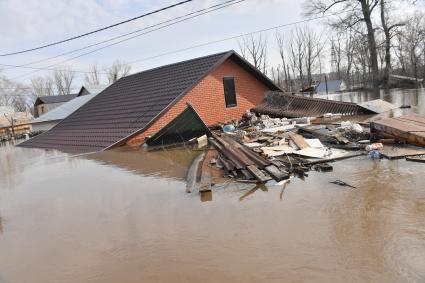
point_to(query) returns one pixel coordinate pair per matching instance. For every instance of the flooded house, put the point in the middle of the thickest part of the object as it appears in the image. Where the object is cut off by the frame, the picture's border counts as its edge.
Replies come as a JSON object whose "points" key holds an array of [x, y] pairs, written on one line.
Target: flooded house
{"points": [[331, 86], [220, 87]]}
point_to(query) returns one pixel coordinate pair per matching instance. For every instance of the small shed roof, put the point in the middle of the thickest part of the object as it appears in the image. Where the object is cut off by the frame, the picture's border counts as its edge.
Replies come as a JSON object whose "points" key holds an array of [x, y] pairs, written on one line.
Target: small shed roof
{"points": [[55, 98], [64, 110]]}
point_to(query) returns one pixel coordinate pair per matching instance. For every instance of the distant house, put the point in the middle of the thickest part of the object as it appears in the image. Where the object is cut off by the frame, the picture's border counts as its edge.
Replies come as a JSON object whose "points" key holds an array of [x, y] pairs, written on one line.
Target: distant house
{"points": [[20, 121], [332, 86], [220, 87], [50, 119], [44, 104]]}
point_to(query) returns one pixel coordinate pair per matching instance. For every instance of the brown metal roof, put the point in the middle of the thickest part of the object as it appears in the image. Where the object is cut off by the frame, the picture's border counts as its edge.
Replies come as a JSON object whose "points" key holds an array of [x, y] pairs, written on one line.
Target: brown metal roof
{"points": [[132, 103], [55, 98], [288, 105]]}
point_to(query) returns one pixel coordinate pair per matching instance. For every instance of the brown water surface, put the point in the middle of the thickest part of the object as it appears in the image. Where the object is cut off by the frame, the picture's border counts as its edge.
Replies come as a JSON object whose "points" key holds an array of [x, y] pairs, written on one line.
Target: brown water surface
{"points": [[124, 216]]}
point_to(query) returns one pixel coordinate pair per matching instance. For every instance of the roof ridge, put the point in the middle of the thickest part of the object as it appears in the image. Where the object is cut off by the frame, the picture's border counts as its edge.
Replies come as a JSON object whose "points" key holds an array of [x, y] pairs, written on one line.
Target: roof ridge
{"points": [[56, 95], [180, 62]]}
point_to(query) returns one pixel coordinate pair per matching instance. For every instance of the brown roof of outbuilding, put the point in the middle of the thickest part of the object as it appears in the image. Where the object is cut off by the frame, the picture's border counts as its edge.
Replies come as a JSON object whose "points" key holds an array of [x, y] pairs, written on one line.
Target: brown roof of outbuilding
{"points": [[55, 98], [131, 104]]}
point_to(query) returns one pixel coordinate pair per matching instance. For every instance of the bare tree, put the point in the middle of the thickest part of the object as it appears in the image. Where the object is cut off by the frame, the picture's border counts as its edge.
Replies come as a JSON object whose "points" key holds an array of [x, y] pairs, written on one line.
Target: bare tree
{"points": [[63, 79], [13, 94], [349, 14], [117, 71], [254, 49], [41, 86], [413, 36], [337, 53], [313, 48], [388, 32], [280, 40], [93, 77]]}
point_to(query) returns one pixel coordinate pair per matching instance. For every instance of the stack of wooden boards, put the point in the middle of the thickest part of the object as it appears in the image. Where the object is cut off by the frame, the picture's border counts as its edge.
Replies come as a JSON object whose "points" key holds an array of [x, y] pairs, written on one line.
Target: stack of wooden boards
{"points": [[238, 160]]}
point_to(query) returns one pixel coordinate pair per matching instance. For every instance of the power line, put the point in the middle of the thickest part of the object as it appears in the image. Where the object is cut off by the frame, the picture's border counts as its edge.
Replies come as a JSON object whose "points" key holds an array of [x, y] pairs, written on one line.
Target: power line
{"points": [[95, 31], [229, 3], [108, 40], [230, 38], [51, 69]]}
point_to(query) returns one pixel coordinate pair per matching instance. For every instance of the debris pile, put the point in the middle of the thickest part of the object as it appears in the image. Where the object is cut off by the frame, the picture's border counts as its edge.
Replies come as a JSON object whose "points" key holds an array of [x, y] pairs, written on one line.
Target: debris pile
{"points": [[262, 148], [259, 148]]}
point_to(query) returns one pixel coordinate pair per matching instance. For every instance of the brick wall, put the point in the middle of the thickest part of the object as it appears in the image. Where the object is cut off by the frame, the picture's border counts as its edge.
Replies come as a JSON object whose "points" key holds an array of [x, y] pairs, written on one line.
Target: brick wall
{"points": [[207, 98]]}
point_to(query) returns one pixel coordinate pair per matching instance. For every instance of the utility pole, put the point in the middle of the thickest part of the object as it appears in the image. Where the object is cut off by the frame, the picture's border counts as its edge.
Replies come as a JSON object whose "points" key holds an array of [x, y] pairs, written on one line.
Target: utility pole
{"points": [[326, 84]]}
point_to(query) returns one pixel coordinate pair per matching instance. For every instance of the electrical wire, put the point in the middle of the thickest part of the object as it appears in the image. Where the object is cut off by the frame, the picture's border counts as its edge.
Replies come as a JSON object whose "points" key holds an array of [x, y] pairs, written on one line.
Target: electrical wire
{"points": [[109, 40], [226, 39], [233, 2], [94, 31]]}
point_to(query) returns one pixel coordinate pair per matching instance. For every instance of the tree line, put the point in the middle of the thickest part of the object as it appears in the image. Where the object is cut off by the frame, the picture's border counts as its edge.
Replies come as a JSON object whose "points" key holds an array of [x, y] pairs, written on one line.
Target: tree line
{"points": [[60, 82], [362, 43]]}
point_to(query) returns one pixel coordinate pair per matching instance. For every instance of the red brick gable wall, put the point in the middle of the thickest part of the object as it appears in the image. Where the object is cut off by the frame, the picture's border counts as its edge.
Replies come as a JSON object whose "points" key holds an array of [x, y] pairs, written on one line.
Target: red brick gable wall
{"points": [[207, 97]]}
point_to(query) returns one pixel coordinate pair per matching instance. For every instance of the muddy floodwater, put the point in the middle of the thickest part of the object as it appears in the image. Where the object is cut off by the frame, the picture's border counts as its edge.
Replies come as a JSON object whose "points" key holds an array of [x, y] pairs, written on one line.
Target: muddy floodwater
{"points": [[125, 216]]}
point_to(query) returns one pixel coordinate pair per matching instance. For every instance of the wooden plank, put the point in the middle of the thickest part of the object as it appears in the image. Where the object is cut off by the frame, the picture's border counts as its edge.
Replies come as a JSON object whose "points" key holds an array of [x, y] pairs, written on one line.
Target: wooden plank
{"points": [[402, 128], [277, 174], [298, 140], [392, 152], [194, 173], [258, 174], [416, 118], [322, 153], [420, 158]]}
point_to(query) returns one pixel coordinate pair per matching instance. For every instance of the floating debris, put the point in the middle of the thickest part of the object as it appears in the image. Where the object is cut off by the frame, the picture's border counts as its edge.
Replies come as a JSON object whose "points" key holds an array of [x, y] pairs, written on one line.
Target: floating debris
{"points": [[342, 183]]}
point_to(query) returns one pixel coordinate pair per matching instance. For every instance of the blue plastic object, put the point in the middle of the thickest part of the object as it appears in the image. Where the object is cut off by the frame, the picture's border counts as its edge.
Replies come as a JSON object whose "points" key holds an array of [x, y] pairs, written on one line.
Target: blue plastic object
{"points": [[374, 154], [229, 128]]}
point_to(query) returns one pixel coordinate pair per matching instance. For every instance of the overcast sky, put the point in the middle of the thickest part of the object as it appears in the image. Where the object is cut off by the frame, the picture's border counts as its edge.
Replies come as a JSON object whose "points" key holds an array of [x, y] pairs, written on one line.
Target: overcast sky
{"points": [[30, 23]]}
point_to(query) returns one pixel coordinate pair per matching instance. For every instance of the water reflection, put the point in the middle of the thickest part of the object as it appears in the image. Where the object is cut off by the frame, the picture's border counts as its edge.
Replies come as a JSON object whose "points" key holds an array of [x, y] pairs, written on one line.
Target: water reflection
{"points": [[250, 192], [206, 196], [165, 163], [124, 216]]}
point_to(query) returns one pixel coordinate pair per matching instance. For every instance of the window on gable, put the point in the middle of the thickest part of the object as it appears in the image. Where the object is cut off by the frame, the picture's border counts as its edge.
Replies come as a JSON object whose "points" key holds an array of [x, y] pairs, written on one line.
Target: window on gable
{"points": [[229, 91]]}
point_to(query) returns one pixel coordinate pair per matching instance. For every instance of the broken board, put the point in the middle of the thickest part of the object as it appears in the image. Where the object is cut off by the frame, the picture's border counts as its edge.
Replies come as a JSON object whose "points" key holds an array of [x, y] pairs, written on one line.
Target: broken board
{"points": [[393, 152], [298, 140], [322, 153], [419, 158], [409, 128], [277, 174], [377, 106], [258, 174], [273, 151]]}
